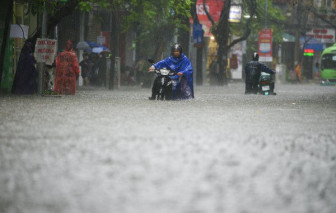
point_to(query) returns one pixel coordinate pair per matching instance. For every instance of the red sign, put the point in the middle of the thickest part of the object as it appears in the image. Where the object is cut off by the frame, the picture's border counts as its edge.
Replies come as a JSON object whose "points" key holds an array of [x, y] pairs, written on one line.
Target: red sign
{"points": [[265, 45], [214, 7]]}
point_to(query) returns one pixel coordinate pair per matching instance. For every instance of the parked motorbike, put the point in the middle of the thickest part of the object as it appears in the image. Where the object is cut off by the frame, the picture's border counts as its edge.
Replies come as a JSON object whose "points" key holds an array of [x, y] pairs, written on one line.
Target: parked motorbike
{"points": [[163, 85], [265, 84]]}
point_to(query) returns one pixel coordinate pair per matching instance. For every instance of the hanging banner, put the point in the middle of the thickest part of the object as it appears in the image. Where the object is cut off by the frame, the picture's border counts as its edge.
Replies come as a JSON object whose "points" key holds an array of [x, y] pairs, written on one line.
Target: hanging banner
{"points": [[265, 45], [45, 50], [214, 7]]}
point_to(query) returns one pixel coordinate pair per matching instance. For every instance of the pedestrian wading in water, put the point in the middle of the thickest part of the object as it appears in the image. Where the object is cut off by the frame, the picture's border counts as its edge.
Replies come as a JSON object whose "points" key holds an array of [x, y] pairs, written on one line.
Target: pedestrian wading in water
{"points": [[67, 71]]}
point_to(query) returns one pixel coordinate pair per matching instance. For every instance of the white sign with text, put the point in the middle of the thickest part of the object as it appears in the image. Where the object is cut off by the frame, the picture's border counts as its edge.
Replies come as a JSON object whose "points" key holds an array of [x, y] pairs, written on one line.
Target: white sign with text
{"points": [[45, 50]]}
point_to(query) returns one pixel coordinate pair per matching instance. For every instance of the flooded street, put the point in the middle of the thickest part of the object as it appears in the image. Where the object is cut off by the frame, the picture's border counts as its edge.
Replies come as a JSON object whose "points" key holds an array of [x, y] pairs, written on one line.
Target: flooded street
{"points": [[116, 151]]}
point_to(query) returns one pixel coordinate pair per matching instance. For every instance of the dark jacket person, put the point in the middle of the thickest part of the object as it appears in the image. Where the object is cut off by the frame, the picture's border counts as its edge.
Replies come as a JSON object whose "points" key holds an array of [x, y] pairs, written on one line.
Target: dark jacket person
{"points": [[25, 80], [253, 71]]}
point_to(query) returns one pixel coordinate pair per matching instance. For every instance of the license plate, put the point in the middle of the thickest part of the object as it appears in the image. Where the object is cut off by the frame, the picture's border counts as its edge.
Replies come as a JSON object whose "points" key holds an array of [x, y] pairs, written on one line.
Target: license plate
{"points": [[265, 88]]}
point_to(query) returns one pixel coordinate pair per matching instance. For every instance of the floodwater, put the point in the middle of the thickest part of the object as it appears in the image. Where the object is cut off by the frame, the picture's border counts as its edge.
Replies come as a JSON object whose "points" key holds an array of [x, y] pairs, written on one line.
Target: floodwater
{"points": [[115, 151]]}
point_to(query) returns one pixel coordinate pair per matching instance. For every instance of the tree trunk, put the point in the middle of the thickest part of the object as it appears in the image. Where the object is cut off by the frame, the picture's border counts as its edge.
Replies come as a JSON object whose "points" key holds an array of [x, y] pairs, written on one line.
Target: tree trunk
{"points": [[5, 36], [221, 33], [223, 38]]}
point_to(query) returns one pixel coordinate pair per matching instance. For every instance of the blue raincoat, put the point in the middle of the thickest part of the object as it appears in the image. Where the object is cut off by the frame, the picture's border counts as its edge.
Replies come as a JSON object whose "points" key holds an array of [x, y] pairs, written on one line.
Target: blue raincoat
{"points": [[185, 88]]}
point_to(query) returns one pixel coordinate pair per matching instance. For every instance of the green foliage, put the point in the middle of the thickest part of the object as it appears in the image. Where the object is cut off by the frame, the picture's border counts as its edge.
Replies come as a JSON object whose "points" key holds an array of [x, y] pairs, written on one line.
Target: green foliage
{"points": [[35, 6], [155, 20], [85, 6], [275, 21]]}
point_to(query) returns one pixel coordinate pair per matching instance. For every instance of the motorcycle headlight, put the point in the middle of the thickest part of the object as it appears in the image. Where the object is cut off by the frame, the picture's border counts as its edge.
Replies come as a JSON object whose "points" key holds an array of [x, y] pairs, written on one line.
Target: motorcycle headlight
{"points": [[164, 71]]}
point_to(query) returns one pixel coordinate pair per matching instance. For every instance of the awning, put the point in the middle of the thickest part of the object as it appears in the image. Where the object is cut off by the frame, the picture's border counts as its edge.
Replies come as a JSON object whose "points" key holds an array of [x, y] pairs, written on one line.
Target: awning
{"points": [[288, 37], [311, 43]]}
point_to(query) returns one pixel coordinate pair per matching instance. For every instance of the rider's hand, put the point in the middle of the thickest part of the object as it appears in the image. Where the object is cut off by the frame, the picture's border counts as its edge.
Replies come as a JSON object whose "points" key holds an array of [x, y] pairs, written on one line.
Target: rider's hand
{"points": [[179, 74], [151, 69]]}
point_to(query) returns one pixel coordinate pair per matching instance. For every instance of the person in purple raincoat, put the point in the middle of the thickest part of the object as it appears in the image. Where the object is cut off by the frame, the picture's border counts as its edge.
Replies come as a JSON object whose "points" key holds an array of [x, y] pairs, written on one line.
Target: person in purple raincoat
{"points": [[182, 82]]}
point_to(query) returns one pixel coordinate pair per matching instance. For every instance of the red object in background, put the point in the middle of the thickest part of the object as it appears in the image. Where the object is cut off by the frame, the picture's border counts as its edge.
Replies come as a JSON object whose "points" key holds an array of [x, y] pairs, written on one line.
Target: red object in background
{"points": [[107, 39], [214, 7], [308, 50], [234, 61], [67, 70], [265, 45]]}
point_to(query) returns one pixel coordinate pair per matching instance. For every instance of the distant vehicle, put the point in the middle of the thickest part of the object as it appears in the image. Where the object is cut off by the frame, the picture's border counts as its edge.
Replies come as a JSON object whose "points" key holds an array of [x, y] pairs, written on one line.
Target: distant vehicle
{"points": [[265, 82], [328, 65]]}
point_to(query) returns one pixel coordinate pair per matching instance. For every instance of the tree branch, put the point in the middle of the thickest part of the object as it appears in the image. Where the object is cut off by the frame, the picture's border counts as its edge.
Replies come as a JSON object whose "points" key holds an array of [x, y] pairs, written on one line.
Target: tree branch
{"points": [[248, 23], [64, 11], [208, 14]]}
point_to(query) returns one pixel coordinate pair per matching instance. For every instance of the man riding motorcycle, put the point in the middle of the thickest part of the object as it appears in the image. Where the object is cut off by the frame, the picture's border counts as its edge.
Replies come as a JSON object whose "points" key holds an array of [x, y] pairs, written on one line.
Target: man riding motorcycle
{"points": [[253, 71], [178, 62]]}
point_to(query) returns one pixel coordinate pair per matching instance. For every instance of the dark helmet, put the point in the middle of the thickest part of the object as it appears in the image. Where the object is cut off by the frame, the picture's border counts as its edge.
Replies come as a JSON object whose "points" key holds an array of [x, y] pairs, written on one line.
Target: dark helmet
{"points": [[177, 47], [255, 56]]}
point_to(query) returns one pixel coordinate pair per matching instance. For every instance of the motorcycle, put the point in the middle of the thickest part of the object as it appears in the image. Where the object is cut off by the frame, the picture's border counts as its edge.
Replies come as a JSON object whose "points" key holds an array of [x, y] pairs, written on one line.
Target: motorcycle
{"points": [[265, 82], [163, 85]]}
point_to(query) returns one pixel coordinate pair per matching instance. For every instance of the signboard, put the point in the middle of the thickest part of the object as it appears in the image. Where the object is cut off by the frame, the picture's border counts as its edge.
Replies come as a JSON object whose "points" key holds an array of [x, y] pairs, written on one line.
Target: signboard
{"points": [[197, 34], [323, 35], [101, 40], [234, 62], [308, 52], [235, 14], [265, 45], [19, 31], [214, 7], [45, 50]]}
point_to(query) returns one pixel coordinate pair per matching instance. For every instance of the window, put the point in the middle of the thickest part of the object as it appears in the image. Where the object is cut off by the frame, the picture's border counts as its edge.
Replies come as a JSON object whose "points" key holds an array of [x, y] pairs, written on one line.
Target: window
{"points": [[327, 3], [329, 61]]}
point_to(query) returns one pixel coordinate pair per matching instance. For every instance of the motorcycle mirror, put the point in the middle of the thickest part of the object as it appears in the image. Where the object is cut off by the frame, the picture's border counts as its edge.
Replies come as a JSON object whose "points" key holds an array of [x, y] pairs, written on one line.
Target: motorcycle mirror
{"points": [[151, 61]]}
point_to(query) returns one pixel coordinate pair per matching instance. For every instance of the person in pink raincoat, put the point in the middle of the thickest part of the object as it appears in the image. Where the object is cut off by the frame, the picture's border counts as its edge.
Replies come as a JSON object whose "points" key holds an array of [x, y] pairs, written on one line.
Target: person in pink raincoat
{"points": [[67, 71]]}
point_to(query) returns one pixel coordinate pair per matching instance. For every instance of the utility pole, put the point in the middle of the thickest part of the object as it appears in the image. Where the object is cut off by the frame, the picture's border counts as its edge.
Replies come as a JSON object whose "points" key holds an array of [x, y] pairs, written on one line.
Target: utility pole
{"points": [[266, 14], [81, 38], [42, 64], [297, 24]]}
